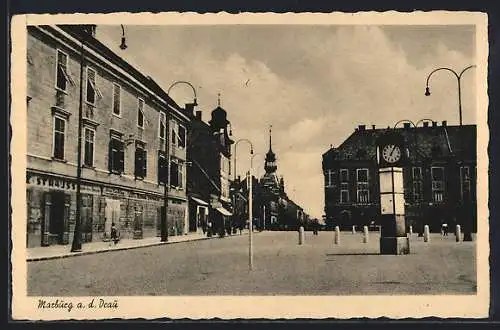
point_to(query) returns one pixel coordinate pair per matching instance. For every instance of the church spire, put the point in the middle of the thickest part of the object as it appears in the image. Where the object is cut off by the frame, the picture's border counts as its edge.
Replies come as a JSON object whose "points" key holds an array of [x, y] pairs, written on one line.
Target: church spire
{"points": [[270, 135], [270, 165]]}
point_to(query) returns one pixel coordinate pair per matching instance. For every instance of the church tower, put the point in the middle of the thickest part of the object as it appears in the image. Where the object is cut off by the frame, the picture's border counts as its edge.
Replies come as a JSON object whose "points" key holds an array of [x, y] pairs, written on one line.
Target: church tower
{"points": [[270, 164]]}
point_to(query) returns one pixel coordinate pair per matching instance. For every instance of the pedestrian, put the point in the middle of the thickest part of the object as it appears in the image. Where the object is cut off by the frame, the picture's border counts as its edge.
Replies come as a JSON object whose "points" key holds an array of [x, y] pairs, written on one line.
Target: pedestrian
{"points": [[114, 234], [445, 229]]}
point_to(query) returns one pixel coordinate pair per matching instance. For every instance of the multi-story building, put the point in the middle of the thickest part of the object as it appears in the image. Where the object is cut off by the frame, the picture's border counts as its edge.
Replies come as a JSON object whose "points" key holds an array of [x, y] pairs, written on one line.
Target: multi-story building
{"points": [[439, 179], [209, 156], [133, 141]]}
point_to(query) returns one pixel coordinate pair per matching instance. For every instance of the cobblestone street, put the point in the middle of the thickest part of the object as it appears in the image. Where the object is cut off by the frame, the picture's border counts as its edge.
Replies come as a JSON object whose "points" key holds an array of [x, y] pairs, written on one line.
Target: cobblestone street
{"points": [[281, 266]]}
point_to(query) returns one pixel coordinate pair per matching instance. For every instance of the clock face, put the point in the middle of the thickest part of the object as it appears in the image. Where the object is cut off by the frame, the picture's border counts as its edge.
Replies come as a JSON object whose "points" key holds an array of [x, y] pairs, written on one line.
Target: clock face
{"points": [[391, 153]]}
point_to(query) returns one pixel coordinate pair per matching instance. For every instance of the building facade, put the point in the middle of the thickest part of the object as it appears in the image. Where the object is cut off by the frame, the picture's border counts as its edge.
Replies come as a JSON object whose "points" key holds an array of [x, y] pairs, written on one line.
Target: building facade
{"points": [[133, 141], [209, 156], [439, 179]]}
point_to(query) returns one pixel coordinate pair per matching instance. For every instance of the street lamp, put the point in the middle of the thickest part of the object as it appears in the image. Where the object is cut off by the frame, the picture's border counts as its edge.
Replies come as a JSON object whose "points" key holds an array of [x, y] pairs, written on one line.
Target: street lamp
{"points": [[458, 76], [76, 245], [123, 45], [467, 231], [235, 145], [250, 200], [166, 183]]}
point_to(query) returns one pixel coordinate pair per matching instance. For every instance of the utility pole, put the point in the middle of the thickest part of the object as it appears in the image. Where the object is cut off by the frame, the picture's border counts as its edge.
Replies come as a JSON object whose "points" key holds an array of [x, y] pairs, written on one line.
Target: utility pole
{"points": [[76, 246], [166, 181]]}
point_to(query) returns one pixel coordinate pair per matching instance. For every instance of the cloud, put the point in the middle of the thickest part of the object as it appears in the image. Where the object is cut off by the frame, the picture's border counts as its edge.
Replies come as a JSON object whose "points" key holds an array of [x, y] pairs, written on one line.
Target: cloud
{"points": [[314, 84]]}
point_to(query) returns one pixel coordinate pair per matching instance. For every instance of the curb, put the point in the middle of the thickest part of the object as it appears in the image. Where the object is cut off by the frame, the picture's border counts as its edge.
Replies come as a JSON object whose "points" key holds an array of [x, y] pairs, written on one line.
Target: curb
{"points": [[83, 253]]}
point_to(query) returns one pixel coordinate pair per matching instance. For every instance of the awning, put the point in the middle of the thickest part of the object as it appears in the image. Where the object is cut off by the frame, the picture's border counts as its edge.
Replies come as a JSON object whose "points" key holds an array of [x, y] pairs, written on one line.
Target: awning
{"points": [[199, 201], [223, 211]]}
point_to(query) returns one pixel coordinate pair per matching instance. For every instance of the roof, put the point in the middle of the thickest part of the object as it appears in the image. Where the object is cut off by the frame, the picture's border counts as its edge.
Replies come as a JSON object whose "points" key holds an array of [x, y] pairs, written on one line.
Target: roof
{"points": [[77, 32], [427, 142]]}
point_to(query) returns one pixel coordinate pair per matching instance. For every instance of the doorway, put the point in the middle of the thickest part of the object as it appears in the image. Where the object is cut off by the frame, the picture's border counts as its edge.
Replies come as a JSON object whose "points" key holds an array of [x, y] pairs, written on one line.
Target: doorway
{"points": [[112, 215], [56, 223]]}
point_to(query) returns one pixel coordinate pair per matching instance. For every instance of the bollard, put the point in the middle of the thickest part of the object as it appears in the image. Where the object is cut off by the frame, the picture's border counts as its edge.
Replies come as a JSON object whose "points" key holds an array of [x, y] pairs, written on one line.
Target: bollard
{"points": [[301, 235], [411, 230], [458, 233], [337, 235], [365, 234], [353, 230], [426, 234]]}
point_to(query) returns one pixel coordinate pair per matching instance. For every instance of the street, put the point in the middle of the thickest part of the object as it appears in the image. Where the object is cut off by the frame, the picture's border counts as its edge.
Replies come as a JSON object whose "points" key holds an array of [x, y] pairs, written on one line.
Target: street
{"points": [[281, 267]]}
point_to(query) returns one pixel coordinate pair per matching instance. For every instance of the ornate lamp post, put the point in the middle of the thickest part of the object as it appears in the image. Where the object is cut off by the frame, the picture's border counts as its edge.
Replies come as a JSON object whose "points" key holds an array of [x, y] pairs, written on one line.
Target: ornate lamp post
{"points": [[467, 230], [235, 145], [459, 77], [250, 201], [166, 182]]}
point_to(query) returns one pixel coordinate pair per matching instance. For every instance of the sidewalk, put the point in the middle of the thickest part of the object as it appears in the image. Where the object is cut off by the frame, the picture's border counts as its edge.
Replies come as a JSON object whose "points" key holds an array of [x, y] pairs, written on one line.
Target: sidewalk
{"points": [[64, 251]]}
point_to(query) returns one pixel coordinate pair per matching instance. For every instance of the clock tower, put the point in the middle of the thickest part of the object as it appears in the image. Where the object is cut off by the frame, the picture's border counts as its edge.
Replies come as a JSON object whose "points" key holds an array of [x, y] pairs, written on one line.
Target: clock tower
{"points": [[391, 157]]}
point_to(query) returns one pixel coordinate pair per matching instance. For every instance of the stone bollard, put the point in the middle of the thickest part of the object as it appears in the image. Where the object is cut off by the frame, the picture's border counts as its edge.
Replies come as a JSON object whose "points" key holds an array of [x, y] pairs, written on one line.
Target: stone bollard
{"points": [[365, 234], [353, 230], [458, 233], [301, 235], [426, 234], [337, 235], [411, 230]]}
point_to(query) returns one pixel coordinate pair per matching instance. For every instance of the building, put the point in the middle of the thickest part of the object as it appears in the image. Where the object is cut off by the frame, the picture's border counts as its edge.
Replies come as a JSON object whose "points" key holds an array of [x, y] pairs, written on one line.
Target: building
{"points": [[209, 156], [133, 142], [439, 179], [277, 209]]}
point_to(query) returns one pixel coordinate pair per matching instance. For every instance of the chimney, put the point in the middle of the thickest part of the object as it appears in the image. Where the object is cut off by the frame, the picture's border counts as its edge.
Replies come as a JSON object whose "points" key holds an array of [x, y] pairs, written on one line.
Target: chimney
{"points": [[434, 124], [426, 124], [406, 125], [373, 126], [361, 127], [198, 114], [444, 123]]}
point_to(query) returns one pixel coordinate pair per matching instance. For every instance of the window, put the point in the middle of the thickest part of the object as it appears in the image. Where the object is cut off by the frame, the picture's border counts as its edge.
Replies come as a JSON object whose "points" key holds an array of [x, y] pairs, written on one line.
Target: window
{"points": [[117, 91], [182, 136], [140, 113], [162, 130], [417, 185], [465, 183], [224, 188], [88, 158], [62, 74], [59, 137], [91, 91], [162, 167], [344, 185], [363, 193], [344, 175], [329, 178], [437, 174], [116, 156], [176, 174], [174, 133], [140, 162]]}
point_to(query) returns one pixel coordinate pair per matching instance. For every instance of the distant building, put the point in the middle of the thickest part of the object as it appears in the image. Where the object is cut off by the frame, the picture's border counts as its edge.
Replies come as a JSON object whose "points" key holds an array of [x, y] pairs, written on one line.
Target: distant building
{"points": [[275, 209], [128, 125], [439, 181], [209, 155]]}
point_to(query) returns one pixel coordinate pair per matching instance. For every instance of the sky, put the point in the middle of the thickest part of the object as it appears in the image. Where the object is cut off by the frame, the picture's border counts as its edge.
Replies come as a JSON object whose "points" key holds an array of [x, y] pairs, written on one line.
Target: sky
{"points": [[313, 83]]}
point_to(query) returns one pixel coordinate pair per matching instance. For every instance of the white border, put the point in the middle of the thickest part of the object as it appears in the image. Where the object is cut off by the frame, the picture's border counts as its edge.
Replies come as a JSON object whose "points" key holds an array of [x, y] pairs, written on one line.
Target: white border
{"points": [[24, 307]]}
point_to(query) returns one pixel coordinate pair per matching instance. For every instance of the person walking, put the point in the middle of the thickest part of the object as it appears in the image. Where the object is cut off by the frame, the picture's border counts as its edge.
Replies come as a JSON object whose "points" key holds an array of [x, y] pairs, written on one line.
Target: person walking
{"points": [[444, 229], [114, 234]]}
